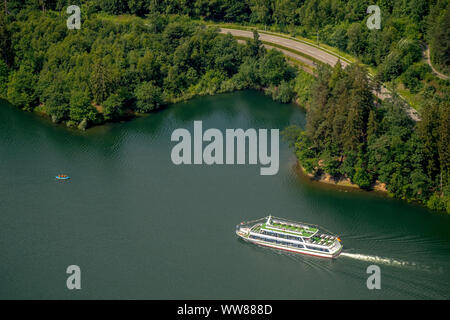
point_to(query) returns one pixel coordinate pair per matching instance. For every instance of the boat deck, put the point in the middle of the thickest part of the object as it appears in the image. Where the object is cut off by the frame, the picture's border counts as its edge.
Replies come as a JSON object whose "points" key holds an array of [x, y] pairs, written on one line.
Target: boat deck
{"points": [[310, 234], [291, 229]]}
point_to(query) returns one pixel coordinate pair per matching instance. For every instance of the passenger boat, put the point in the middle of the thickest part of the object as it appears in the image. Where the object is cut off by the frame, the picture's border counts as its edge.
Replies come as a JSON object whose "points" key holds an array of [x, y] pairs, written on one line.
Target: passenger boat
{"points": [[62, 177], [282, 234]]}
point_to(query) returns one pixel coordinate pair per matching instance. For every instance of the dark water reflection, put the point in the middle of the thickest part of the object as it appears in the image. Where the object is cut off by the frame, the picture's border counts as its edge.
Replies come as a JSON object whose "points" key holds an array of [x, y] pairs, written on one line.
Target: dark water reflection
{"points": [[141, 227]]}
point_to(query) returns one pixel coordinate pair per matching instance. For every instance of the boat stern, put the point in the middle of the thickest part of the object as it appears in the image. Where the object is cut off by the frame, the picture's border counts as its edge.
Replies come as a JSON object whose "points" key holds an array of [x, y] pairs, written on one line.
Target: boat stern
{"points": [[336, 249]]}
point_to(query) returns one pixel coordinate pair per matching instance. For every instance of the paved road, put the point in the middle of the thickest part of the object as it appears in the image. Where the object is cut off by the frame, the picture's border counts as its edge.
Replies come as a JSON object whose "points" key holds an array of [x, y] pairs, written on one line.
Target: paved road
{"points": [[312, 51], [291, 44]]}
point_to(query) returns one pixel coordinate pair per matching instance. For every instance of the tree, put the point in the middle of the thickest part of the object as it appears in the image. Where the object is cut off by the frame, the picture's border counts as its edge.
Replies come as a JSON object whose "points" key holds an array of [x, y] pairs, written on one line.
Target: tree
{"points": [[149, 97], [440, 40], [356, 39], [100, 81], [114, 6], [274, 69], [443, 145], [248, 75], [284, 12], [4, 73], [113, 107], [148, 67], [236, 10], [255, 46], [138, 7], [21, 88], [226, 55], [339, 38], [283, 93], [372, 126], [261, 11], [5, 40], [81, 108], [362, 178]]}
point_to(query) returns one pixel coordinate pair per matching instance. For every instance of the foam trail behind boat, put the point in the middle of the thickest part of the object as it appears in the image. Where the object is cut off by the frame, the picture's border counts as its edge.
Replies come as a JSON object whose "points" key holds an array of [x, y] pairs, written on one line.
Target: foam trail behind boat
{"points": [[385, 261]]}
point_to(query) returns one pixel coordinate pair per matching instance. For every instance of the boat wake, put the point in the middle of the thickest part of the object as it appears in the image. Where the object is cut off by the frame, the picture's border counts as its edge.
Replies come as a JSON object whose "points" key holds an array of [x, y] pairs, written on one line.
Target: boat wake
{"points": [[386, 261]]}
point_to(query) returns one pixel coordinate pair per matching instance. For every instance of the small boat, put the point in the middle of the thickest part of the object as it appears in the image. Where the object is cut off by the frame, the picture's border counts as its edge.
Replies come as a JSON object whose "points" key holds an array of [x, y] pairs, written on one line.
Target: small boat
{"points": [[283, 234], [62, 177]]}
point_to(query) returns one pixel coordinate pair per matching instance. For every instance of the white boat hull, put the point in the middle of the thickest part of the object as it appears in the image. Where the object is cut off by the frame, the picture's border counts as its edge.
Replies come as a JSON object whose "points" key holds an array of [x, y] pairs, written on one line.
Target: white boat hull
{"points": [[290, 249]]}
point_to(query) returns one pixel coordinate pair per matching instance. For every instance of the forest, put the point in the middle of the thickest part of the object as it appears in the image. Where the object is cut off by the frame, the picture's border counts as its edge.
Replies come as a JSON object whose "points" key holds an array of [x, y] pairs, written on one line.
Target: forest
{"points": [[136, 56], [340, 23], [349, 136], [115, 67]]}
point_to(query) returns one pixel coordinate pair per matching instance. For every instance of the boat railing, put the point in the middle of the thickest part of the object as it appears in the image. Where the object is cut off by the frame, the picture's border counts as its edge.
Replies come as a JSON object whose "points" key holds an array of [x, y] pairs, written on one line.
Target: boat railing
{"points": [[303, 224], [320, 230], [249, 224]]}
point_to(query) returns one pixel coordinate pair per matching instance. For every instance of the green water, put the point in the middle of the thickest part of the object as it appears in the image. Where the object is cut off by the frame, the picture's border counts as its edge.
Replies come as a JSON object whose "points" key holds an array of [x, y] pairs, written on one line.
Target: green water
{"points": [[140, 227]]}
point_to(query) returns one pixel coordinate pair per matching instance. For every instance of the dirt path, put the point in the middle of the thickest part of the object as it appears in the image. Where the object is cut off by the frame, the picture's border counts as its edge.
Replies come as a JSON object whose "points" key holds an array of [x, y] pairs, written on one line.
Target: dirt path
{"points": [[428, 60]]}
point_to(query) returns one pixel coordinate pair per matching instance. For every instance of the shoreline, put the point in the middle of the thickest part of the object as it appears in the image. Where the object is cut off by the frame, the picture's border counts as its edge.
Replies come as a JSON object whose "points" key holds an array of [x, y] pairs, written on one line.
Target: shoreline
{"points": [[344, 183], [377, 189], [131, 115]]}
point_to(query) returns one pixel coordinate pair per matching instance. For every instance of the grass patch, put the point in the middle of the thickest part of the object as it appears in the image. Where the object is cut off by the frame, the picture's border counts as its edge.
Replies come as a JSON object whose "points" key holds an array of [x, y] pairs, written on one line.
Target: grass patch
{"points": [[412, 99]]}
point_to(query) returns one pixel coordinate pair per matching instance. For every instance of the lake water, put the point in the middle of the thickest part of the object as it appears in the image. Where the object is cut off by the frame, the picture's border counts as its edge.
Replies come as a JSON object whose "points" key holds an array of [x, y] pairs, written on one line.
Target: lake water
{"points": [[140, 227]]}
